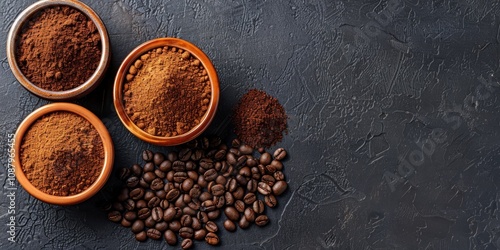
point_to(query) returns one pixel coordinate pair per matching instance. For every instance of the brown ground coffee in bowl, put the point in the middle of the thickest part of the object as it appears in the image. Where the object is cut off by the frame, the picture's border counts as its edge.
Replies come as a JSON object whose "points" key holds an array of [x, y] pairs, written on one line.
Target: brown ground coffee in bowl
{"points": [[167, 92], [62, 154], [59, 48]]}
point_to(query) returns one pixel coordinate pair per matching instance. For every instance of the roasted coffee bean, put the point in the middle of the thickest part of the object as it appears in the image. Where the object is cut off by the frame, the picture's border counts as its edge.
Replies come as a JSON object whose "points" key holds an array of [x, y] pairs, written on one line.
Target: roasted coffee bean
{"points": [[172, 156], [149, 177], [231, 213], [251, 162], [137, 194], [218, 190], [245, 171], [186, 232], [205, 196], [261, 220], [207, 206], [265, 159], [258, 206], [212, 239], [143, 183], [224, 167], [170, 237], [179, 177], [243, 223], [186, 243], [148, 195], [185, 154], [214, 141], [179, 166], [279, 154], [168, 186], [268, 179], [202, 216], [231, 159], [161, 226], [149, 222], [148, 167], [210, 175], [212, 215], [197, 155], [186, 220], [194, 204], [173, 194], [271, 169], [195, 191], [180, 201], [279, 176], [124, 173], [136, 170], [219, 201], [129, 204], [204, 143], [144, 213], [164, 204], [115, 216], [137, 226], [262, 169], [157, 184], [154, 234], [126, 223], [161, 194], [239, 193], [158, 158], [239, 205], [242, 180], [211, 153], [130, 215], [235, 143], [263, 188], [229, 226], [191, 144], [232, 184], [220, 155], [201, 181], [141, 236], [242, 160], [141, 204], [279, 187], [249, 198], [245, 149], [157, 214], [117, 206], [187, 184], [174, 225], [235, 151], [200, 234], [195, 224], [147, 155], [221, 180], [277, 165], [210, 226], [206, 163], [160, 174], [189, 211], [252, 185], [229, 198], [186, 198], [249, 214], [165, 166], [270, 201], [132, 181]]}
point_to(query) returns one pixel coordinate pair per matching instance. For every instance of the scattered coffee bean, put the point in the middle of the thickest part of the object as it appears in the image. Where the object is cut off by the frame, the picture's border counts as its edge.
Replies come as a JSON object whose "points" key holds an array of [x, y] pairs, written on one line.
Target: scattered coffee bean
{"points": [[186, 243], [115, 216], [141, 236], [279, 187], [263, 188], [154, 234], [186, 232], [261, 220], [200, 234], [229, 225], [211, 227], [279, 154], [147, 155], [258, 206], [157, 214], [249, 214], [270, 201], [170, 237], [137, 226], [212, 239]]}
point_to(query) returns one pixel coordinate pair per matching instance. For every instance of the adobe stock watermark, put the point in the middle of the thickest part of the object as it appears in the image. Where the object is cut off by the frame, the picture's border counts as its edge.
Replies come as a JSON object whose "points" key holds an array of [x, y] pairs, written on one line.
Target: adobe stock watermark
{"points": [[373, 27], [10, 190], [426, 148]]}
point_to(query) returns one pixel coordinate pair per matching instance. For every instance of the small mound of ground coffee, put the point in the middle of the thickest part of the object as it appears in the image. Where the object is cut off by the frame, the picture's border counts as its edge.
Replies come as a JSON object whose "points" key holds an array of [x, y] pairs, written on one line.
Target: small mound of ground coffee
{"points": [[167, 92], [59, 48], [62, 154], [259, 119]]}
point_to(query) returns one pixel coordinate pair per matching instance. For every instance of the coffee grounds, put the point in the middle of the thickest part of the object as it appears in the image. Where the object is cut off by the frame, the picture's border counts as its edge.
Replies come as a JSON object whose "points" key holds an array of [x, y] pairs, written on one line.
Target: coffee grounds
{"points": [[62, 154], [259, 119], [167, 93], [59, 49]]}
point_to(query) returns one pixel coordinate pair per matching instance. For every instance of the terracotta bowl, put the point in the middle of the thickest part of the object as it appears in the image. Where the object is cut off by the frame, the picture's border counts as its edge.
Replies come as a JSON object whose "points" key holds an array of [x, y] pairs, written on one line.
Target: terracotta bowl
{"points": [[121, 78], [107, 145], [74, 93]]}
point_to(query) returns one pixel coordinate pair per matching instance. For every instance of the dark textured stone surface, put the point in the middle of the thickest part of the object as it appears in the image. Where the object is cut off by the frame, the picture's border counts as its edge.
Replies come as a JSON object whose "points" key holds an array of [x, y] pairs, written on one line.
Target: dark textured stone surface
{"points": [[415, 96]]}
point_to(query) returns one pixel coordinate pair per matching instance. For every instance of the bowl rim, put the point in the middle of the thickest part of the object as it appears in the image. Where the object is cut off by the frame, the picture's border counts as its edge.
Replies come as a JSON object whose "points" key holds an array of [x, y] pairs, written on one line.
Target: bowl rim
{"points": [[82, 89], [120, 81], [107, 145]]}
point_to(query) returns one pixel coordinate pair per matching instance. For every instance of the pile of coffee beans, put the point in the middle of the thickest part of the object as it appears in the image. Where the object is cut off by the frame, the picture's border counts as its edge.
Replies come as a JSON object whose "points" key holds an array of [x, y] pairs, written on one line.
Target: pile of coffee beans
{"points": [[183, 193]]}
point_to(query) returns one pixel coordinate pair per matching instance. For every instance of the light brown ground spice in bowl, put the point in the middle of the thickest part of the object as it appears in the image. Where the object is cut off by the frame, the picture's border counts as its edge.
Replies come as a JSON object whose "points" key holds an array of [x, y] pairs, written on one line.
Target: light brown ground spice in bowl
{"points": [[62, 154], [59, 48], [167, 92]]}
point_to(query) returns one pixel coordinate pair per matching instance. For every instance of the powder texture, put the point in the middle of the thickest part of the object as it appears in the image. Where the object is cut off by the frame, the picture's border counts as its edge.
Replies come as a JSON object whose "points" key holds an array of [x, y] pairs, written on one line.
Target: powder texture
{"points": [[259, 119], [59, 48], [62, 154], [167, 92]]}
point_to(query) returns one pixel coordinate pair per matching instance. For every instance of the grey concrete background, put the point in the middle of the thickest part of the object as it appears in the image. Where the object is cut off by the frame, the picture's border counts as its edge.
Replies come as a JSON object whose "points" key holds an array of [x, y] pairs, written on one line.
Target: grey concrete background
{"points": [[393, 120]]}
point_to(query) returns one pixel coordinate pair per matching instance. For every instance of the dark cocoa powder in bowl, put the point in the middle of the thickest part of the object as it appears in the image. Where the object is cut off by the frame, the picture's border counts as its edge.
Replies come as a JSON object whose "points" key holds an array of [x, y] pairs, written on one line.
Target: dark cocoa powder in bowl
{"points": [[167, 92], [62, 154], [59, 48]]}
